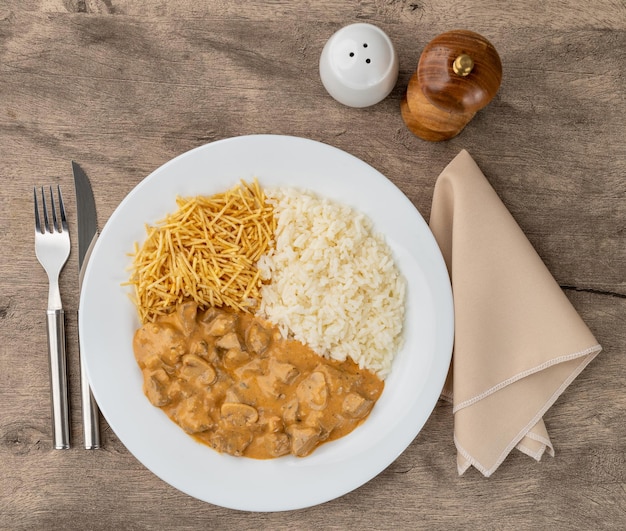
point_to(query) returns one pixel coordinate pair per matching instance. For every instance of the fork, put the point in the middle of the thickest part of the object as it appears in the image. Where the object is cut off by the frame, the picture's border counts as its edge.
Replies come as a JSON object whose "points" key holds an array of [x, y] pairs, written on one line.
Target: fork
{"points": [[52, 247]]}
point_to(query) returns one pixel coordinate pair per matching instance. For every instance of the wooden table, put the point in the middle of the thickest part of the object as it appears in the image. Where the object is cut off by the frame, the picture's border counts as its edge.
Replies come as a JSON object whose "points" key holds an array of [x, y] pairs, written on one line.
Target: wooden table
{"points": [[122, 86]]}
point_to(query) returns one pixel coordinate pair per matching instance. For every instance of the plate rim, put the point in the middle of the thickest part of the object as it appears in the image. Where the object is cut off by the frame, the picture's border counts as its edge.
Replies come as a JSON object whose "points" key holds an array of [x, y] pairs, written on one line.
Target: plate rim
{"points": [[445, 304]]}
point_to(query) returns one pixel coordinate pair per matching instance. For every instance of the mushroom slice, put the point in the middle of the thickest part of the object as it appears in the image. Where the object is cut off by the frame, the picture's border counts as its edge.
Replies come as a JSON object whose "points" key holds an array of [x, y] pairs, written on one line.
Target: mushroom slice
{"points": [[197, 370]]}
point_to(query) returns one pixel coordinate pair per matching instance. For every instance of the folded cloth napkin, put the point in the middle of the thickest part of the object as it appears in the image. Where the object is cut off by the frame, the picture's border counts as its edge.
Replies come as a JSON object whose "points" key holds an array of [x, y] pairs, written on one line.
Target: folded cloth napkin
{"points": [[518, 340]]}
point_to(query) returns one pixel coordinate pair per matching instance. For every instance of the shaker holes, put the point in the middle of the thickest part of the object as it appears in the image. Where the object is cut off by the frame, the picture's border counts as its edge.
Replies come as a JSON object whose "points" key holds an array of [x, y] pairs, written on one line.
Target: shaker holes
{"points": [[368, 60]]}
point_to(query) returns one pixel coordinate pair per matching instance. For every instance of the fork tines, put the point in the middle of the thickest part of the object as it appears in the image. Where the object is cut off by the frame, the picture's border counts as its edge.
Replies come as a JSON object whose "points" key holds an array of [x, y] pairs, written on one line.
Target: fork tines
{"points": [[47, 226]]}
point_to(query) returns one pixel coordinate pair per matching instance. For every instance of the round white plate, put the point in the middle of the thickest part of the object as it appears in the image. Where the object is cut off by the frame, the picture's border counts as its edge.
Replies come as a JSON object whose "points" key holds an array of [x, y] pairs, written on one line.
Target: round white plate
{"points": [[108, 321]]}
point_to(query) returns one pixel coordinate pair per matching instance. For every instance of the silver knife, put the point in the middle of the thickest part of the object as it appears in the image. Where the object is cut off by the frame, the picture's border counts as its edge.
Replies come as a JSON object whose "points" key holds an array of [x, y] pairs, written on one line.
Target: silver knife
{"points": [[87, 236]]}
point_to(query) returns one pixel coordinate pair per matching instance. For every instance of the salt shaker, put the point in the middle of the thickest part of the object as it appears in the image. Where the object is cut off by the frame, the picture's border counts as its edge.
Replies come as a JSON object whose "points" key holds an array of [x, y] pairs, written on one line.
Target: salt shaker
{"points": [[359, 65], [459, 73]]}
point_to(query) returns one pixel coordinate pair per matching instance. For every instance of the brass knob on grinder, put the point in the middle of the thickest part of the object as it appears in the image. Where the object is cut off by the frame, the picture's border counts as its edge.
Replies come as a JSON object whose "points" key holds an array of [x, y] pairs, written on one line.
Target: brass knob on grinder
{"points": [[463, 65], [459, 73]]}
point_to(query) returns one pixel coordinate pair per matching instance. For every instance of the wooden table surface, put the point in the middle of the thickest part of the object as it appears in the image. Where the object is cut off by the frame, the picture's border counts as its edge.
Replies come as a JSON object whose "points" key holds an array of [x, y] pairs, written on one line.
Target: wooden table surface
{"points": [[122, 86]]}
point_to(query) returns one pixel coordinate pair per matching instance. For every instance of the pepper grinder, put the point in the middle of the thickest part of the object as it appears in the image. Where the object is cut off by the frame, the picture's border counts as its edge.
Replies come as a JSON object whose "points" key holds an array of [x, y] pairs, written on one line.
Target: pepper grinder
{"points": [[459, 73]]}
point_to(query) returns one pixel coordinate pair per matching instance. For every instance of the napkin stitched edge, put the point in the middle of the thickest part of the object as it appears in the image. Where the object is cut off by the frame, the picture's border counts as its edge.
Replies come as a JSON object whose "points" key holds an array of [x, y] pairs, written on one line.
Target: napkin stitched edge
{"points": [[470, 461], [523, 374], [547, 445]]}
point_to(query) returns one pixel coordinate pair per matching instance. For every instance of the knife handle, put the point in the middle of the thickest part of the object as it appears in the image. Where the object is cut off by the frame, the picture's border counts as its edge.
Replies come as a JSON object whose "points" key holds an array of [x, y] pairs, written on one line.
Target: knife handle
{"points": [[55, 323], [91, 419]]}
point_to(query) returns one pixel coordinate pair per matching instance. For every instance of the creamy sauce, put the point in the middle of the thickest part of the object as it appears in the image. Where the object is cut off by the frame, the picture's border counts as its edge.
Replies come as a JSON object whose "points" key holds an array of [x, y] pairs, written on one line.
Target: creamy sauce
{"points": [[232, 382]]}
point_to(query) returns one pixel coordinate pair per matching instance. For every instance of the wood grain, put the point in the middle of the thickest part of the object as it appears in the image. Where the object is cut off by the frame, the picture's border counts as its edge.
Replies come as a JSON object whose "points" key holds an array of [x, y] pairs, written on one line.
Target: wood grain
{"points": [[122, 86]]}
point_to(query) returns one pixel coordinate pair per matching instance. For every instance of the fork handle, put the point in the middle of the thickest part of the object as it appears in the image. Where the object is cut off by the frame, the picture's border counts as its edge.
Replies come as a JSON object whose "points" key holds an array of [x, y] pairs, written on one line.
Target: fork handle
{"points": [[58, 379]]}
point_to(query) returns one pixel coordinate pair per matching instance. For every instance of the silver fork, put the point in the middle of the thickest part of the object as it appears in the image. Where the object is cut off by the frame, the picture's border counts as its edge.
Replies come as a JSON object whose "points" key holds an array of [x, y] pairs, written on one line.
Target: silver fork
{"points": [[52, 247]]}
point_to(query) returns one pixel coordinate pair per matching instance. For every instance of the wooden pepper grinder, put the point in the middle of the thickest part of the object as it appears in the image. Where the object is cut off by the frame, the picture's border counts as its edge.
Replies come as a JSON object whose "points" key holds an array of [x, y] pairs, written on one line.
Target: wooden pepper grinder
{"points": [[459, 72]]}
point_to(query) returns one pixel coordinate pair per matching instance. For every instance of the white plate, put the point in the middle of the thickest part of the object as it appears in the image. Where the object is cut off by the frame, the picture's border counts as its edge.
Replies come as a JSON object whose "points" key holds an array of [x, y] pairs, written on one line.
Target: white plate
{"points": [[108, 321]]}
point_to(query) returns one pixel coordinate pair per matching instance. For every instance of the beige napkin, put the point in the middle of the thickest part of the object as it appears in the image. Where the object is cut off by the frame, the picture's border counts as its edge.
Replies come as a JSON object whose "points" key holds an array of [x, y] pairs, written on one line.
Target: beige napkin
{"points": [[518, 340]]}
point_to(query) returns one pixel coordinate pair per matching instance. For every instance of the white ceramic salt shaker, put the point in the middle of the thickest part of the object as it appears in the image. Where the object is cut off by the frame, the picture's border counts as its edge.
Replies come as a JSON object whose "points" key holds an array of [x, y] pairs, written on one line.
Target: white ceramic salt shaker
{"points": [[359, 65]]}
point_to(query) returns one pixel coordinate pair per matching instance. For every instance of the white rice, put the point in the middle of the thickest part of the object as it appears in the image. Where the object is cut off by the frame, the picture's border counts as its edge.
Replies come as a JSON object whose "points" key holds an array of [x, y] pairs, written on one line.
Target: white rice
{"points": [[334, 284]]}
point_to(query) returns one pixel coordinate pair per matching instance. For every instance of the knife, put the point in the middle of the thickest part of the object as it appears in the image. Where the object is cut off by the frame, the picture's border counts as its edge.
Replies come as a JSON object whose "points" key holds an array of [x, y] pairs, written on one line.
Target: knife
{"points": [[87, 236]]}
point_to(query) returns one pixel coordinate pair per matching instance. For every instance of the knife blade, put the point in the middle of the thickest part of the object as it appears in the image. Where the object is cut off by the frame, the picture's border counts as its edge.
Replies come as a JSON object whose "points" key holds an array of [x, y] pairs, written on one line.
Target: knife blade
{"points": [[87, 236]]}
